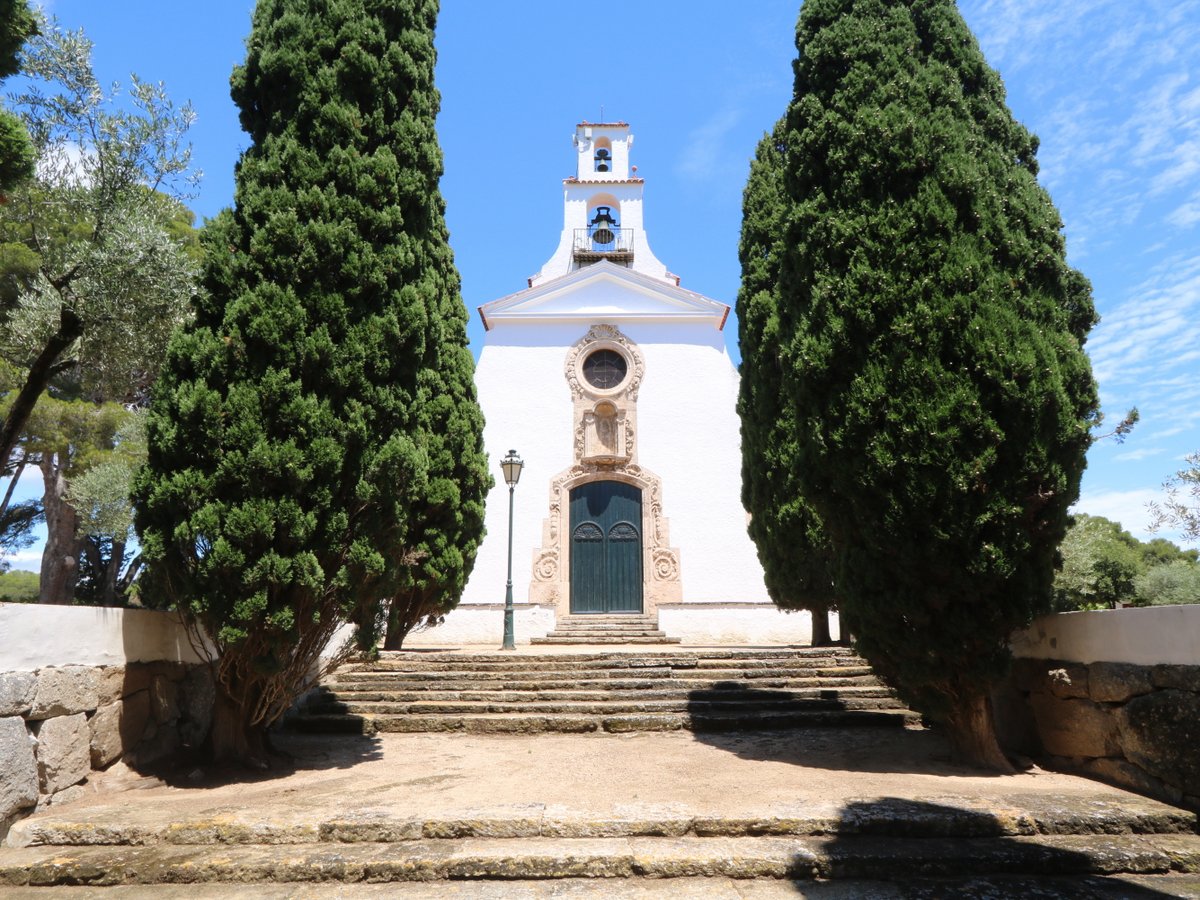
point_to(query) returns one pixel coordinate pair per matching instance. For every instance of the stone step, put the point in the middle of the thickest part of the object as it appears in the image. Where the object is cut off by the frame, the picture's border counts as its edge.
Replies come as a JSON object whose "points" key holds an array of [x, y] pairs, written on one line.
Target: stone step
{"points": [[738, 653], [694, 707], [669, 692], [625, 663], [613, 684], [575, 675], [593, 639], [891, 859], [562, 723], [1043, 887], [895, 817]]}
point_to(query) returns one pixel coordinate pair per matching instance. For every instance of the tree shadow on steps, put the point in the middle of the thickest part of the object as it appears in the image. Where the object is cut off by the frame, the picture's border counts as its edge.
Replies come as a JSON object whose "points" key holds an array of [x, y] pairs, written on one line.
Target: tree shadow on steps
{"points": [[825, 734], [897, 848]]}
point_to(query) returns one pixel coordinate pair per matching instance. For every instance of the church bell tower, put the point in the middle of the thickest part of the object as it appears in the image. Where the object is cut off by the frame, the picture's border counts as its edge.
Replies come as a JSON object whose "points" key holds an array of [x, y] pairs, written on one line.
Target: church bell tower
{"points": [[602, 208]]}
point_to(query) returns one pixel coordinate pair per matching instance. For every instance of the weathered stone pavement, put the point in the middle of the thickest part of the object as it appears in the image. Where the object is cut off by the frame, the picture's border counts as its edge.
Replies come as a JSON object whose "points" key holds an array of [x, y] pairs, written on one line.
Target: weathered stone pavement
{"points": [[814, 813]]}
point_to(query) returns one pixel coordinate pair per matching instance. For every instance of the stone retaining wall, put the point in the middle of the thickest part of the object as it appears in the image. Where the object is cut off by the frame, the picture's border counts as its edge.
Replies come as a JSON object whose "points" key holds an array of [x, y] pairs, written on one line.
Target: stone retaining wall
{"points": [[1113, 694], [125, 685]]}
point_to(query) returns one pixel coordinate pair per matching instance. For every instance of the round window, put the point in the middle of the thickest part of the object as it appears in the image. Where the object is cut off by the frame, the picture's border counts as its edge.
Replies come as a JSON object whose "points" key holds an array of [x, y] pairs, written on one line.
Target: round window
{"points": [[605, 369]]}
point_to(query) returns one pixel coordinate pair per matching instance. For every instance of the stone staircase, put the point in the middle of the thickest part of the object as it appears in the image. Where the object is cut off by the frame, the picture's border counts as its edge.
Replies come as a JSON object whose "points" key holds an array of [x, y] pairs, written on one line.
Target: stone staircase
{"points": [[883, 849], [604, 629], [698, 690]]}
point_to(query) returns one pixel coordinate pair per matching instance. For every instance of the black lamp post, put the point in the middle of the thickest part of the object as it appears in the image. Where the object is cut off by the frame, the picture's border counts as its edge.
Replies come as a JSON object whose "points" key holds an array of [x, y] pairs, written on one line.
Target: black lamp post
{"points": [[511, 466]]}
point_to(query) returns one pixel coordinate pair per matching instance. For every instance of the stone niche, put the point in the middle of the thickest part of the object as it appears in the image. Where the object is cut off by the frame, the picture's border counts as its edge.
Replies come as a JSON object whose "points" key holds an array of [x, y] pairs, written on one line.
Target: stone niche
{"points": [[604, 371]]}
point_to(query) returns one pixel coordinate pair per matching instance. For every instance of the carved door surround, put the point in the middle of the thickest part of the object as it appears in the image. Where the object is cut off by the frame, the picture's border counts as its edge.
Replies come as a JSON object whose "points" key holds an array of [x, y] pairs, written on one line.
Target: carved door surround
{"points": [[604, 448]]}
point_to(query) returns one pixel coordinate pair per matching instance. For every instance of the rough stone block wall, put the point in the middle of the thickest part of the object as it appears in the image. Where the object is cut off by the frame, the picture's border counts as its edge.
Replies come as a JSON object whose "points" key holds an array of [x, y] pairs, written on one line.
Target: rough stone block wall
{"points": [[59, 724], [1136, 726]]}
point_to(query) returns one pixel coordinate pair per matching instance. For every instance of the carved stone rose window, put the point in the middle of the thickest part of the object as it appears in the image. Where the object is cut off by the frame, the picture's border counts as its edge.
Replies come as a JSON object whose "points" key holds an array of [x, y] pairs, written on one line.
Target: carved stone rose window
{"points": [[605, 369]]}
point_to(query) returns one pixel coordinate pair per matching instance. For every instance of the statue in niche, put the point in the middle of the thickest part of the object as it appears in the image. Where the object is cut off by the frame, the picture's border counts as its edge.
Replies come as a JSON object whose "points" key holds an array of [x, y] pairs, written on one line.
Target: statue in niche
{"points": [[604, 434]]}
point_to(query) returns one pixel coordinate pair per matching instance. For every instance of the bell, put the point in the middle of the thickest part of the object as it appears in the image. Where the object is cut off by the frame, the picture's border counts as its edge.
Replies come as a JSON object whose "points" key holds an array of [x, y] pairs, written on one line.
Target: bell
{"points": [[602, 160], [602, 226]]}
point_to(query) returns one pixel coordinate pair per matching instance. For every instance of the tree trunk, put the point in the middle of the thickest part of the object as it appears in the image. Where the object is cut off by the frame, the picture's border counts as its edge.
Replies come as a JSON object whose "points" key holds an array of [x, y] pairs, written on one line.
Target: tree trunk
{"points": [[231, 739], [69, 329], [12, 484], [60, 558], [971, 729], [405, 612], [113, 571], [820, 628], [395, 634]]}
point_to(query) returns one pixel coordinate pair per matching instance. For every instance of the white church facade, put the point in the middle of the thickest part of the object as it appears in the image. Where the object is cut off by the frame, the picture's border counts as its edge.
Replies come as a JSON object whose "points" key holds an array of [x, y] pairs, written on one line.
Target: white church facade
{"points": [[614, 385]]}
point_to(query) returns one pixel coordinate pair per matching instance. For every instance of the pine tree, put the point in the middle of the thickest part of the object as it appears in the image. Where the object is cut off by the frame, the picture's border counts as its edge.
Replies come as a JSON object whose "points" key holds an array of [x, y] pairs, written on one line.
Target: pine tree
{"points": [[932, 335], [791, 543], [317, 424]]}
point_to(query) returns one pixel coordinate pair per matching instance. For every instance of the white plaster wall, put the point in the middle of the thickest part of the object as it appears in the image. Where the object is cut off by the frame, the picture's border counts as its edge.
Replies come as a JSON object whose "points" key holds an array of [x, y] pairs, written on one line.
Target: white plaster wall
{"points": [[1156, 635], [687, 434], [698, 624], [484, 627], [33, 636]]}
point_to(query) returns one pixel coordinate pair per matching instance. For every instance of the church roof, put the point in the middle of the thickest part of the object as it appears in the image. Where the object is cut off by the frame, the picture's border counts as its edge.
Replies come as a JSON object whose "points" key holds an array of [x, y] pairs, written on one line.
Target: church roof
{"points": [[604, 290]]}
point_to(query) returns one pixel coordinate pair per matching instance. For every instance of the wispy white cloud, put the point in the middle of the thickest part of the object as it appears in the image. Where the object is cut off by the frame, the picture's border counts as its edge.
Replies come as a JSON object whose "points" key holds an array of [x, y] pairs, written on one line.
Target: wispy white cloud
{"points": [[1139, 454], [707, 146], [1130, 508], [1187, 215]]}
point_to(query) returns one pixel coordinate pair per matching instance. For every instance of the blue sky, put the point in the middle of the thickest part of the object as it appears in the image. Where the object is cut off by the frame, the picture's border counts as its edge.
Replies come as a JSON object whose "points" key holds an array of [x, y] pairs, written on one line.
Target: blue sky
{"points": [[1111, 87]]}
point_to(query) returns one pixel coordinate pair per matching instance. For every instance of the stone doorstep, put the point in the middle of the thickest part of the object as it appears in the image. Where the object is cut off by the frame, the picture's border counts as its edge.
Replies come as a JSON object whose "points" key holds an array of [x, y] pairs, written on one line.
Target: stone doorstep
{"points": [[100, 826], [653, 857], [605, 639]]}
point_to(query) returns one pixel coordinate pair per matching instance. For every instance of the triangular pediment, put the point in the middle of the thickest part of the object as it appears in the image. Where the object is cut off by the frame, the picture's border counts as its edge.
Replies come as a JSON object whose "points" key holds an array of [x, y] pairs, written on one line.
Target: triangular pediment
{"points": [[605, 291]]}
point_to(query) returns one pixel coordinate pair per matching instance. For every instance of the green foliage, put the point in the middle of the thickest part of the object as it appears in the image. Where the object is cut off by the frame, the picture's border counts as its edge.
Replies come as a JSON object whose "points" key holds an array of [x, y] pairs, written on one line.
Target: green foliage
{"points": [[1169, 584], [18, 586], [314, 445], [16, 527], [17, 24], [791, 543], [1104, 566], [1180, 508], [100, 494], [94, 266], [931, 338], [1100, 562]]}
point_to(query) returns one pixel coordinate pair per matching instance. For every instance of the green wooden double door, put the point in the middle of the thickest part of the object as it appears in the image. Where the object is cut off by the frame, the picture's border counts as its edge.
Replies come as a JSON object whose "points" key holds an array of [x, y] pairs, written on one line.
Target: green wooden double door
{"points": [[606, 548]]}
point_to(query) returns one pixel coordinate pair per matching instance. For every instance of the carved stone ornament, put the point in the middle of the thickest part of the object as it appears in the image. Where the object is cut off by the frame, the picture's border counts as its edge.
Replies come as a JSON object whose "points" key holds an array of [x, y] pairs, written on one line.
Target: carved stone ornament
{"points": [[546, 568], [603, 449], [604, 337], [666, 565]]}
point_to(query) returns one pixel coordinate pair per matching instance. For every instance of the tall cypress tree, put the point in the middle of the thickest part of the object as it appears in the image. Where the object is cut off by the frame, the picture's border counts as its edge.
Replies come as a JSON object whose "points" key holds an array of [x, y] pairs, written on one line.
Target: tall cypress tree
{"points": [[317, 424], [788, 535], [932, 337], [17, 24]]}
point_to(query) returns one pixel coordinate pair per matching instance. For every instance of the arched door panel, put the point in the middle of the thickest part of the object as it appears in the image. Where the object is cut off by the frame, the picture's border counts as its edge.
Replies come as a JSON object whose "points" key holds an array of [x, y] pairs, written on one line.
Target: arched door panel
{"points": [[606, 548]]}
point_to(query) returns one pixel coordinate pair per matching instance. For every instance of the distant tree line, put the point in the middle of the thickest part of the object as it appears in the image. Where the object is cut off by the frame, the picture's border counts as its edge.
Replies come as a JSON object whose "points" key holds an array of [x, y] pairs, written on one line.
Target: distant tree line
{"points": [[1104, 566]]}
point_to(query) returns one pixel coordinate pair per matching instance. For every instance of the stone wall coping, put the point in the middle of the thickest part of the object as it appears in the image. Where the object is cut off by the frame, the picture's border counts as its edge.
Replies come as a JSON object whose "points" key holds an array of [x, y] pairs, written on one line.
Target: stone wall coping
{"points": [[37, 636], [1147, 636]]}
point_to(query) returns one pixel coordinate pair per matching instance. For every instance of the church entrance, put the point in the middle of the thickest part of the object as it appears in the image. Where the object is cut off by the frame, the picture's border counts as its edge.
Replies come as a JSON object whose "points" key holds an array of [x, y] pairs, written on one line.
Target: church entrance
{"points": [[606, 548]]}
